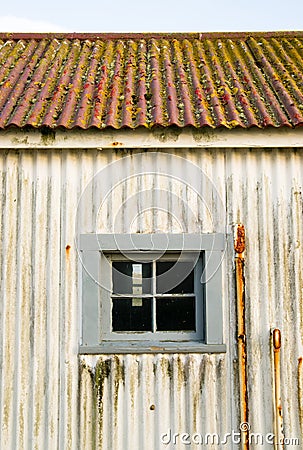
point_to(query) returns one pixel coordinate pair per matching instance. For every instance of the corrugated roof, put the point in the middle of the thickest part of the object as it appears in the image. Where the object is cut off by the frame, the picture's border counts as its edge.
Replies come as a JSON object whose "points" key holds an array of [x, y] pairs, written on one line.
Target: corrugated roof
{"points": [[130, 80]]}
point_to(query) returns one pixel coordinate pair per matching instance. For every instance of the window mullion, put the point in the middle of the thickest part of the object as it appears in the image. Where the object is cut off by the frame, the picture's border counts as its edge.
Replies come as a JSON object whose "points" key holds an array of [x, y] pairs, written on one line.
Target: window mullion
{"points": [[154, 288]]}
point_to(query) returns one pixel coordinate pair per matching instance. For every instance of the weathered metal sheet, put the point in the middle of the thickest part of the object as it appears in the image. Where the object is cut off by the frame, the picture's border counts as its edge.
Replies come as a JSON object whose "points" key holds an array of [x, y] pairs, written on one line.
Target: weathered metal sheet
{"points": [[140, 401], [52, 398], [269, 201], [228, 80]]}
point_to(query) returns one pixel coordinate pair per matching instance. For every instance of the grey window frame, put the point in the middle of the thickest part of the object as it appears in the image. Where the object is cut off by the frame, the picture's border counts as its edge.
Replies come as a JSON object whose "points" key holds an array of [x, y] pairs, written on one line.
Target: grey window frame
{"points": [[96, 301]]}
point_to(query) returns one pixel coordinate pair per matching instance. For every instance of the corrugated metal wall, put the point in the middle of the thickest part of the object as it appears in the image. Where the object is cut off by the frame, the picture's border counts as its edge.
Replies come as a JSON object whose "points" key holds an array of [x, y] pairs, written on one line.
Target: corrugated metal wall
{"points": [[51, 398]]}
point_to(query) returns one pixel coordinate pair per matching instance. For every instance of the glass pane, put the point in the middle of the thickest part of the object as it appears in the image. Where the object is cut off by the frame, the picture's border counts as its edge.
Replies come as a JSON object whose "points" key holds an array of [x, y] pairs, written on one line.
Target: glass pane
{"points": [[174, 277], [131, 278], [175, 314], [132, 314]]}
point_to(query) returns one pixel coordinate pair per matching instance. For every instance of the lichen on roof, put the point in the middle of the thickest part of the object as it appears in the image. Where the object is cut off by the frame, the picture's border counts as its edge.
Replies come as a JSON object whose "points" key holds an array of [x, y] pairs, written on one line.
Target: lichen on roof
{"points": [[147, 80]]}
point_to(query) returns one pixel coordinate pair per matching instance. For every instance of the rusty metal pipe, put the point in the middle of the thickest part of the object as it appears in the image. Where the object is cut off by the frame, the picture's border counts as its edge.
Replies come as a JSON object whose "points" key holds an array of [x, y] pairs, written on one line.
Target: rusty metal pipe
{"points": [[300, 392], [239, 246], [276, 339]]}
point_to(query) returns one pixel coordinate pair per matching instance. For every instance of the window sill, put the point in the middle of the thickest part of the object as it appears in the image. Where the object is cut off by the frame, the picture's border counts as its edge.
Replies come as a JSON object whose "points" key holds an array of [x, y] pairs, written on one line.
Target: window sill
{"points": [[155, 347]]}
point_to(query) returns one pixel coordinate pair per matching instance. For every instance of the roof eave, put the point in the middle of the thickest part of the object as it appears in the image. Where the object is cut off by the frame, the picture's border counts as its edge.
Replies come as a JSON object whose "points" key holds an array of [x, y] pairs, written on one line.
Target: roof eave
{"points": [[170, 137]]}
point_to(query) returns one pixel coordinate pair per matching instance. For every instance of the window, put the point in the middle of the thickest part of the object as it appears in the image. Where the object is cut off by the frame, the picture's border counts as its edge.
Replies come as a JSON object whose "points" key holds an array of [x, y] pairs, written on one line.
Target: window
{"points": [[159, 298], [151, 293]]}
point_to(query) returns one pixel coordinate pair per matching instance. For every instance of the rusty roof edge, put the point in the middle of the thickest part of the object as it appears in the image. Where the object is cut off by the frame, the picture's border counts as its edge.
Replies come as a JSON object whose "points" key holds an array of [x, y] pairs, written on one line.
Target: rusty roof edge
{"points": [[164, 35]]}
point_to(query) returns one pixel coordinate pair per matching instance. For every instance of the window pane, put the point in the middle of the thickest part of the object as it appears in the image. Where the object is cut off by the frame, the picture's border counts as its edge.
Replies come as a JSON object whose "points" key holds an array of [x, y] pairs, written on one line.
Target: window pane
{"points": [[174, 277], [131, 278], [132, 314], [175, 314]]}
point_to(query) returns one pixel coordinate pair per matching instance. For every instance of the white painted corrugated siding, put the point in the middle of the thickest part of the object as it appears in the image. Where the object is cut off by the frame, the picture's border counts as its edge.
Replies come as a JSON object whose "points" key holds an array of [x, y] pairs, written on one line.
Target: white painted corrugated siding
{"points": [[52, 398]]}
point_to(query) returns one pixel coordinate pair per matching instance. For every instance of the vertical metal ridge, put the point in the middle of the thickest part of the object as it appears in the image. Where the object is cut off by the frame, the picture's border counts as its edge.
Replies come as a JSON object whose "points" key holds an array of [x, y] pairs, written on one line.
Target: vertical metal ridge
{"points": [[62, 312], [292, 299], [266, 282], [20, 369], [39, 298], [31, 300], [9, 307], [69, 336], [3, 219], [87, 416], [300, 394], [53, 292]]}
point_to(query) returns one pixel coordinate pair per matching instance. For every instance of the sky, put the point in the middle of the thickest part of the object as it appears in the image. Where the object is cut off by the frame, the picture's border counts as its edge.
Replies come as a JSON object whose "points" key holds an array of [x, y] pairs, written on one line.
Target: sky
{"points": [[154, 16]]}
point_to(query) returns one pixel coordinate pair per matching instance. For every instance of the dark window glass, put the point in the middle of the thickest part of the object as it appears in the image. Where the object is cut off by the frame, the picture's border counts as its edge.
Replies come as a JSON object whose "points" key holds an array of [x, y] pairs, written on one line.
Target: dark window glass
{"points": [[175, 314], [131, 278], [174, 277], [132, 314]]}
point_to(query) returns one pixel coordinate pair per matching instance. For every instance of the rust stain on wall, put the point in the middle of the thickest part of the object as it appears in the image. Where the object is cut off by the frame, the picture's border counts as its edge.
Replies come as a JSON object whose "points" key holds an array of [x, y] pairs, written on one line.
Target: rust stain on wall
{"points": [[240, 239]]}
